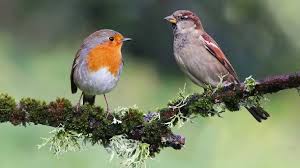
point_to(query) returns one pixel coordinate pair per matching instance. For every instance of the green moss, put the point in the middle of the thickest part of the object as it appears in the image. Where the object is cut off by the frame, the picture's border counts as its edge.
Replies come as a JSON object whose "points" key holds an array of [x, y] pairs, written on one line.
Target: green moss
{"points": [[59, 112], [81, 122], [93, 122], [166, 115], [253, 101], [34, 109], [232, 104], [202, 106], [98, 125], [132, 119], [153, 133], [7, 105]]}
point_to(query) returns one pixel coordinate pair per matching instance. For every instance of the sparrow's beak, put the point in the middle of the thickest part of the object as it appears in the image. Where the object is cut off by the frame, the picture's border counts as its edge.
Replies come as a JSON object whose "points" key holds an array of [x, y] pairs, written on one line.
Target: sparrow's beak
{"points": [[171, 19], [126, 39]]}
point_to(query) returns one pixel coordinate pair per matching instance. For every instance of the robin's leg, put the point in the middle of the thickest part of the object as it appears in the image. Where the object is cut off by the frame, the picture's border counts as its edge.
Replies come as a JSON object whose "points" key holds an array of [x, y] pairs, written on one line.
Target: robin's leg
{"points": [[78, 104], [107, 107]]}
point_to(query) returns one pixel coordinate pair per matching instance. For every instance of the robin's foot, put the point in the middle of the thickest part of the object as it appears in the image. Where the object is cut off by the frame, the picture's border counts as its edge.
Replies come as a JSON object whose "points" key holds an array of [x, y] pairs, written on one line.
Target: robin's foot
{"points": [[107, 107], [108, 113], [78, 107], [78, 104]]}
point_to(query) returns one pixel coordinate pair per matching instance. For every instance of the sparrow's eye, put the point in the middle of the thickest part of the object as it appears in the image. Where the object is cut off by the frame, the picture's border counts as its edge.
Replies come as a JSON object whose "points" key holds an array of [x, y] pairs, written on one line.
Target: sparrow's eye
{"points": [[184, 17], [111, 38]]}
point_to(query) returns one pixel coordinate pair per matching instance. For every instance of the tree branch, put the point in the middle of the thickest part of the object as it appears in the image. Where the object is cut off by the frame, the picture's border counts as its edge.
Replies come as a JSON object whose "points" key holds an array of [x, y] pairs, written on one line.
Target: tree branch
{"points": [[152, 128]]}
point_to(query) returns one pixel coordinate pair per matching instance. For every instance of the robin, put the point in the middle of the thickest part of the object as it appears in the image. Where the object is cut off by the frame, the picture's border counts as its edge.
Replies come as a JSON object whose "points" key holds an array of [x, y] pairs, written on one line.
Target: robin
{"points": [[200, 57], [97, 65]]}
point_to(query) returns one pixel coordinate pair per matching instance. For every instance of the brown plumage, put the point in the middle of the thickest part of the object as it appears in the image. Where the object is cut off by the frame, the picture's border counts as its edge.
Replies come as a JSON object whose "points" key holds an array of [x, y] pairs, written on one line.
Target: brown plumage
{"points": [[200, 57]]}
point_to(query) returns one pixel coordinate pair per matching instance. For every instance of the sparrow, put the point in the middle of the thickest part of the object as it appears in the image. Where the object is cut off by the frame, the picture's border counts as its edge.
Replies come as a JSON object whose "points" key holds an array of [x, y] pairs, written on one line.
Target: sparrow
{"points": [[97, 65], [200, 57]]}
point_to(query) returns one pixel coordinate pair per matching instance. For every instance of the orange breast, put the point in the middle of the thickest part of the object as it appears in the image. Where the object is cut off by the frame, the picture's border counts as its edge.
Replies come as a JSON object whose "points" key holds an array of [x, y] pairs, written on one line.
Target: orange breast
{"points": [[105, 55]]}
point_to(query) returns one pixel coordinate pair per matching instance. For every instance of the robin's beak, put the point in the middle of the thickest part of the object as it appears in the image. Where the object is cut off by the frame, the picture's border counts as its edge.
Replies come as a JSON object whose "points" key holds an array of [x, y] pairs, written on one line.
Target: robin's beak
{"points": [[171, 19], [126, 39]]}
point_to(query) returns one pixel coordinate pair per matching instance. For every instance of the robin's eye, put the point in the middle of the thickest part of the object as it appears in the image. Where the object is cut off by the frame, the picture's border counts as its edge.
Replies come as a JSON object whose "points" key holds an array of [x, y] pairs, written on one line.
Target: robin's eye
{"points": [[111, 38]]}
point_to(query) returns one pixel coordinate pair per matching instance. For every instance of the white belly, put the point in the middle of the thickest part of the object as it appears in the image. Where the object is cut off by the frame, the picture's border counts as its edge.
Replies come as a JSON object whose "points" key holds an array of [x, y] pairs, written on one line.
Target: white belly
{"points": [[96, 83]]}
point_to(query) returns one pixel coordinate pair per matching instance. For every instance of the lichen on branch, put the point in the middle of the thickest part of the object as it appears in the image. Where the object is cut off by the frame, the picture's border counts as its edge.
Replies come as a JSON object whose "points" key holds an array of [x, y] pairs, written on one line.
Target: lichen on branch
{"points": [[149, 130]]}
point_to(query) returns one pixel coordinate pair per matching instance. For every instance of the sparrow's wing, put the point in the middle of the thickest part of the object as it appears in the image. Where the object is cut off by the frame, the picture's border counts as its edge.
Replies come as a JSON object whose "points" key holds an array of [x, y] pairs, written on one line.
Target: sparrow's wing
{"points": [[75, 62], [212, 46]]}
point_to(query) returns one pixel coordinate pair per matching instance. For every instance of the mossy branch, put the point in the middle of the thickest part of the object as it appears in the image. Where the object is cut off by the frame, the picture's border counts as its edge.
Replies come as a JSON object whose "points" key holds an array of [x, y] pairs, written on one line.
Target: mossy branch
{"points": [[152, 128]]}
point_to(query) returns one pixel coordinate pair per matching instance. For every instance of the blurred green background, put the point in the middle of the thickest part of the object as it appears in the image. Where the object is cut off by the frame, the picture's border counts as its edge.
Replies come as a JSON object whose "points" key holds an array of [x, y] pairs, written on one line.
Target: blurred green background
{"points": [[38, 41]]}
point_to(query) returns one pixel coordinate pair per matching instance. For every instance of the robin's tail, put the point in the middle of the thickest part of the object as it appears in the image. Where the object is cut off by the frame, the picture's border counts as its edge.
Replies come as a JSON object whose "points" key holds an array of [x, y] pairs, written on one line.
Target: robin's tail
{"points": [[89, 99], [258, 113]]}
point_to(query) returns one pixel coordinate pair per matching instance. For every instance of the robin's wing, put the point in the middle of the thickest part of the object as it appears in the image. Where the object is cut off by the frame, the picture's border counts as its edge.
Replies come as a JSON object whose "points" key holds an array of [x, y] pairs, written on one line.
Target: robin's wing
{"points": [[212, 46], [73, 85]]}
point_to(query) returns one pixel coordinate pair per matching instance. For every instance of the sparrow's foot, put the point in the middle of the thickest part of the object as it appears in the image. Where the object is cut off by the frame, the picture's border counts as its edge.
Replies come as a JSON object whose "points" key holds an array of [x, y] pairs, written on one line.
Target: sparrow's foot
{"points": [[228, 84]]}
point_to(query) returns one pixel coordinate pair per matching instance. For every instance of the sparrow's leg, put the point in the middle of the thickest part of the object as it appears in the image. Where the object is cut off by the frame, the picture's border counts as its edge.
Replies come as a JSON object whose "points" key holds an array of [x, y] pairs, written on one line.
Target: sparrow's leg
{"points": [[229, 84], [78, 104], [206, 88]]}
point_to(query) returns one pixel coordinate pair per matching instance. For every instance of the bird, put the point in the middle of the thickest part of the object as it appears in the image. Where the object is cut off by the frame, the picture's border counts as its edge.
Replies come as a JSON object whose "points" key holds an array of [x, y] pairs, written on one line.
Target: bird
{"points": [[97, 65], [200, 57]]}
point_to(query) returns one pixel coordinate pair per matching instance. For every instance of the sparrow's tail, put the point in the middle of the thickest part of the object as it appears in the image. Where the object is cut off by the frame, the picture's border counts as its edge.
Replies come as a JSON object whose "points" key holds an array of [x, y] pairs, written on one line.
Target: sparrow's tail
{"points": [[89, 99], [258, 113]]}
